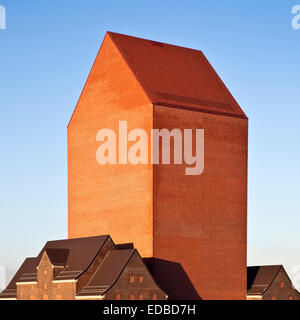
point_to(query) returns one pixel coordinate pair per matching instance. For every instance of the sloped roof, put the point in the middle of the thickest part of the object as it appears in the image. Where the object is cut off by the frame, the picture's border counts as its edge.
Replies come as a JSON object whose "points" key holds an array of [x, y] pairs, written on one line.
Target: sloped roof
{"points": [[81, 252], [176, 76], [27, 270], [75, 254], [259, 278], [108, 272]]}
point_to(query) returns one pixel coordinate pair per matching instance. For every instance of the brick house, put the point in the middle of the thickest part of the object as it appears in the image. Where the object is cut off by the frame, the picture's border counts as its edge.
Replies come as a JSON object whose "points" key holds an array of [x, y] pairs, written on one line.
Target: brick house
{"points": [[85, 268], [270, 283]]}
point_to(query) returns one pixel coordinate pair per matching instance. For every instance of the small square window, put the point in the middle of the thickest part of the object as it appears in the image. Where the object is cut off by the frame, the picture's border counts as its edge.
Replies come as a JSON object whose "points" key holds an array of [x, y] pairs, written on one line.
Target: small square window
{"points": [[131, 296], [281, 284], [291, 298], [154, 296], [141, 278], [141, 296], [118, 296], [273, 298], [131, 279]]}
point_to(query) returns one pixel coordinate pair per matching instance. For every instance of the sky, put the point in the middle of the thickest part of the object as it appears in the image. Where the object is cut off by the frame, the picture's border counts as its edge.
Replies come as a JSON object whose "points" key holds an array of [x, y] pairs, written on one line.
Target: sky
{"points": [[46, 53]]}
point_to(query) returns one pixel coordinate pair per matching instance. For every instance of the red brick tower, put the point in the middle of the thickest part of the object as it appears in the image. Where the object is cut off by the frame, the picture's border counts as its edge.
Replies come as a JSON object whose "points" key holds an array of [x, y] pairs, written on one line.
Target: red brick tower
{"points": [[193, 227]]}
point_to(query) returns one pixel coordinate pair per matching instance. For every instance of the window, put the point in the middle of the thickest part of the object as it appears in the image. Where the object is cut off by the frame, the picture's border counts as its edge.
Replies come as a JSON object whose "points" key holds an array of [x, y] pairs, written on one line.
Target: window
{"points": [[141, 296], [45, 272], [154, 296], [281, 284], [141, 279], [59, 297], [45, 286], [131, 279], [118, 296], [273, 298], [291, 298], [131, 296], [45, 297]]}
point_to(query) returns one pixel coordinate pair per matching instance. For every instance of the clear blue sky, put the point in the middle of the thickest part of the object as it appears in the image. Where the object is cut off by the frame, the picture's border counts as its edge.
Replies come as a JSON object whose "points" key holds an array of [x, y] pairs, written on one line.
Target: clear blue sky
{"points": [[45, 56]]}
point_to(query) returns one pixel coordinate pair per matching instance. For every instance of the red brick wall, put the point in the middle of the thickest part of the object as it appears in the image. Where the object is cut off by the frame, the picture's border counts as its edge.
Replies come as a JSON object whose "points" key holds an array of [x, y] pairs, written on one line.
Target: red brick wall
{"points": [[201, 221], [110, 199], [198, 221], [45, 288]]}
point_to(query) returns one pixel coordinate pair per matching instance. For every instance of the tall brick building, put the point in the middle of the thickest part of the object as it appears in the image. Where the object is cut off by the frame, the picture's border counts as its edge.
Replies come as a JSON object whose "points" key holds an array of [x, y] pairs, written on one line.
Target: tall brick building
{"points": [[191, 229]]}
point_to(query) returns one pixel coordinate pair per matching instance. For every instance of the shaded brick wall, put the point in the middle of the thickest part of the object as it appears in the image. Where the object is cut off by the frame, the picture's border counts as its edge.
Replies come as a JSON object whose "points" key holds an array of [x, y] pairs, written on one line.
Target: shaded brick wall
{"points": [[279, 292], [200, 221], [126, 289]]}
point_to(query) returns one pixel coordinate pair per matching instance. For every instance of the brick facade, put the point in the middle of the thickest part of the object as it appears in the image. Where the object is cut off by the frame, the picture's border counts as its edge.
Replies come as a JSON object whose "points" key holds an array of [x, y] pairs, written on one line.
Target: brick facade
{"points": [[45, 288], [198, 222]]}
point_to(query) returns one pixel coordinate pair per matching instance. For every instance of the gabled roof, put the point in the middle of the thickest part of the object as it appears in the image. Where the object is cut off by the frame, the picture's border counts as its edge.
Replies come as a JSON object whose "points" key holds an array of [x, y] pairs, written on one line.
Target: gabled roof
{"points": [[81, 252], [108, 272], [176, 76], [259, 278], [27, 271], [74, 254]]}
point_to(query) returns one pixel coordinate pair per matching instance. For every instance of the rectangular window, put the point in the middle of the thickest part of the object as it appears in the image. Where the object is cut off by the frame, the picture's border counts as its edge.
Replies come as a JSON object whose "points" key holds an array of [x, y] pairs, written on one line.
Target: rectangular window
{"points": [[154, 296], [141, 279], [281, 284], [45, 286], [131, 296], [131, 279], [141, 296], [118, 296]]}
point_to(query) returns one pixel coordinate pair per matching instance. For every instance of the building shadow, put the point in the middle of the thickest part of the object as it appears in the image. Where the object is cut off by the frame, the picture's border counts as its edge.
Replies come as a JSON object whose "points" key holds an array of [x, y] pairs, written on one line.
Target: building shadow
{"points": [[251, 275], [172, 278], [125, 246]]}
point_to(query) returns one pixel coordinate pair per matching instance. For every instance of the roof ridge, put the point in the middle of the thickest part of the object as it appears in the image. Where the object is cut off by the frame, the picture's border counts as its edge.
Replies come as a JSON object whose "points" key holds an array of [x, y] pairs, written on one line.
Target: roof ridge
{"points": [[125, 265], [137, 76], [147, 39], [269, 285]]}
